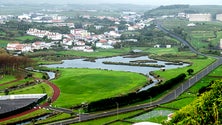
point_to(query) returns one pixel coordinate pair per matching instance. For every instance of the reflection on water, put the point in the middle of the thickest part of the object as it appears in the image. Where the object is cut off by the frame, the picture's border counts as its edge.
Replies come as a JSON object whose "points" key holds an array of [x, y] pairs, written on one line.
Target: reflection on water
{"points": [[80, 63], [98, 64]]}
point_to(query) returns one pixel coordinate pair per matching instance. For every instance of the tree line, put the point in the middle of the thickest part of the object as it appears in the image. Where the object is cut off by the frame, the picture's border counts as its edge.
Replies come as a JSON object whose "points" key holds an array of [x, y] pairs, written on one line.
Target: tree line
{"points": [[11, 64], [134, 97]]}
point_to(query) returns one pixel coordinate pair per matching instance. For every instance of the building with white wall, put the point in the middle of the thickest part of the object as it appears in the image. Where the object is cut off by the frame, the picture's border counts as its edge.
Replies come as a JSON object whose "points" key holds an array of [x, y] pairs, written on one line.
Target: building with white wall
{"points": [[200, 17], [219, 17], [220, 43]]}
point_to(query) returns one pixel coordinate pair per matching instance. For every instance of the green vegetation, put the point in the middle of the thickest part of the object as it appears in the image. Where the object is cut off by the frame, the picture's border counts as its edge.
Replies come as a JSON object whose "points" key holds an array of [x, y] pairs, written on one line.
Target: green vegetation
{"points": [[19, 82], [197, 65], [205, 36], [6, 78], [86, 85], [175, 9], [36, 89], [3, 43], [34, 114], [187, 97], [156, 115], [23, 38], [97, 53], [204, 110], [113, 120], [55, 117]]}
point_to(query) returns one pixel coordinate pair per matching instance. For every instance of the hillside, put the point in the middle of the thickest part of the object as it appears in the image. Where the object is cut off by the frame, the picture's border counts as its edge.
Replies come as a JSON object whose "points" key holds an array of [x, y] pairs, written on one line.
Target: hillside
{"points": [[175, 9], [206, 110]]}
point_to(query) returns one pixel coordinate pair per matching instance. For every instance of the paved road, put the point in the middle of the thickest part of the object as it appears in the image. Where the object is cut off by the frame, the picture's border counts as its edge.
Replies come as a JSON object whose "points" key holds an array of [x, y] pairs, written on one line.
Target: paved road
{"points": [[158, 24], [171, 96]]}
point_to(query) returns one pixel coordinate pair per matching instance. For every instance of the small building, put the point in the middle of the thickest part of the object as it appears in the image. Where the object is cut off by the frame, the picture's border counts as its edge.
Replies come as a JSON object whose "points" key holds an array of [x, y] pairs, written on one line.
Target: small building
{"points": [[168, 46], [191, 25], [220, 43], [157, 46], [219, 17]]}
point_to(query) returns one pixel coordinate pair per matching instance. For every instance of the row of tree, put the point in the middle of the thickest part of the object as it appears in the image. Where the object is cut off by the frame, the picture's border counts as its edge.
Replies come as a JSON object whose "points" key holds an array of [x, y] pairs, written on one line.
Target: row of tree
{"points": [[11, 64], [134, 97]]}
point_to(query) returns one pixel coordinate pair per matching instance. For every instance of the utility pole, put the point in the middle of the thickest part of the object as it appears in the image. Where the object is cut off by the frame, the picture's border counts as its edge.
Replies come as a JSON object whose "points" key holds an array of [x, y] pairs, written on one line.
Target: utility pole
{"points": [[117, 110]]}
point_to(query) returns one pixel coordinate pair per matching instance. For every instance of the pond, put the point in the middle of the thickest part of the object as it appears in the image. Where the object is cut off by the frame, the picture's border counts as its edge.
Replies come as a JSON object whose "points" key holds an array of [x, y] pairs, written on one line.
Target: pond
{"points": [[98, 64], [80, 63]]}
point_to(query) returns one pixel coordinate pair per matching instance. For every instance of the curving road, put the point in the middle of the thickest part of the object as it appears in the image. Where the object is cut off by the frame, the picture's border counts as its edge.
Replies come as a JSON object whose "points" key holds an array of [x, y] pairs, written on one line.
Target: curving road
{"points": [[171, 96]]}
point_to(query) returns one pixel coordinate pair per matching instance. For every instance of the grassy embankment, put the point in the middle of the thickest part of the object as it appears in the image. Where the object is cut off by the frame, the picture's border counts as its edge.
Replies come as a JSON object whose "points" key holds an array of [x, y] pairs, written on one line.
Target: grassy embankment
{"points": [[6, 78]]}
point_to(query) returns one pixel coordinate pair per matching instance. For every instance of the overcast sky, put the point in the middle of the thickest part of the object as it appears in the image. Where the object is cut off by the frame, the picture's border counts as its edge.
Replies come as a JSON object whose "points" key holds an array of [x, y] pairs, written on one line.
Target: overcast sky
{"points": [[141, 2]]}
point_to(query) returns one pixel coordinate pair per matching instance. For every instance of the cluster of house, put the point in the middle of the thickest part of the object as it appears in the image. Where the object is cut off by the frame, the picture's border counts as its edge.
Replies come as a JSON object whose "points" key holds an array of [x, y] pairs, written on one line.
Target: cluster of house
{"points": [[5, 18], [76, 40], [16, 46], [79, 37], [43, 33], [42, 18]]}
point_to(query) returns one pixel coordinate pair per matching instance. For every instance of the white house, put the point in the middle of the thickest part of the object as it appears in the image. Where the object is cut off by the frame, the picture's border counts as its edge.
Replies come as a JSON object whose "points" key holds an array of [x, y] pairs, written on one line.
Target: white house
{"points": [[168, 46], [42, 33], [200, 17], [67, 41], [19, 47], [79, 43]]}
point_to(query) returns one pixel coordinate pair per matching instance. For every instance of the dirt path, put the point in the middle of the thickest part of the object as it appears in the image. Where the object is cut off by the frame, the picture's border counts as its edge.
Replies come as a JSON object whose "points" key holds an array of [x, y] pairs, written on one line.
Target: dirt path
{"points": [[56, 93]]}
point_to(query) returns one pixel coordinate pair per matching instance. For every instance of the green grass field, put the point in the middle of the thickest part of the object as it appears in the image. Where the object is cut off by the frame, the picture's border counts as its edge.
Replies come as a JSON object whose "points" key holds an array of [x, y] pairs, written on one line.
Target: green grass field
{"points": [[109, 120], [23, 81], [197, 65], [86, 85], [6, 78], [18, 119], [3, 43], [22, 38], [36, 89]]}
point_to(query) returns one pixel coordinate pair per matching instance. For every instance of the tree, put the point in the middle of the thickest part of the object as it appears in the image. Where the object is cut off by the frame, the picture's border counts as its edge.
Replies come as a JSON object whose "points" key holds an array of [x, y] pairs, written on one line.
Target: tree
{"points": [[190, 71], [6, 91]]}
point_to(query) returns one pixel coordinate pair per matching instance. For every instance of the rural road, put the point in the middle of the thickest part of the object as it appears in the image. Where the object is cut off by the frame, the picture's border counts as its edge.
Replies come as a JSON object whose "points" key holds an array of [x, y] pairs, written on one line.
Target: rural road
{"points": [[169, 97]]}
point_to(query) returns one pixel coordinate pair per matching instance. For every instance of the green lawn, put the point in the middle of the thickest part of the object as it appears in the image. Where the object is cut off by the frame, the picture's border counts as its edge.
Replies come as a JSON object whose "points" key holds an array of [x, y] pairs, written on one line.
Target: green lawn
{"points": [[3, 43], [6, 78], [22, 38], [36, 89], [156, 115], [110, 119], [86, 85], [33, 114], [197, 65], [23, 81]]}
